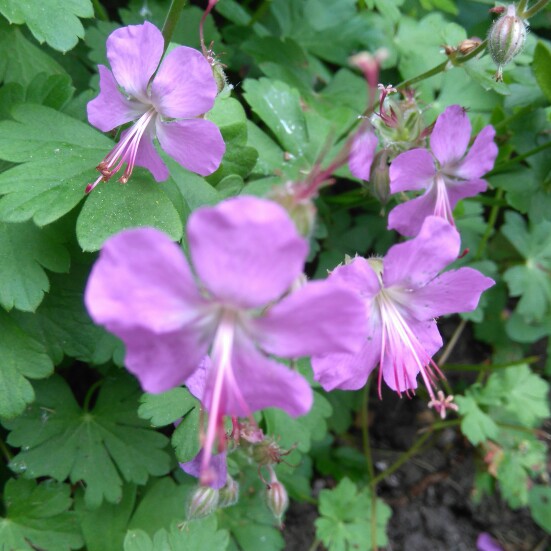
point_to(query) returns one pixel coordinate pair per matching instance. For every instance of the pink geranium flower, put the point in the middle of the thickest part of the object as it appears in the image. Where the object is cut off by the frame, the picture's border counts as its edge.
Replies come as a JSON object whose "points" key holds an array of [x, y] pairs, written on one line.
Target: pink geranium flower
{"points": [[448, 174], [362, 152], [165, 101], [403, 293], [245, 253]]}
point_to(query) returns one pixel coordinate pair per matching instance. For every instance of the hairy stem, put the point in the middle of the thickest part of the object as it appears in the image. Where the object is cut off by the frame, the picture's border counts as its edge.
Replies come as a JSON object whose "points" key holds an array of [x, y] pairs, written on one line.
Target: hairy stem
{"points": [[501, 167], [451, 62], [538, 6], [171, 20]]}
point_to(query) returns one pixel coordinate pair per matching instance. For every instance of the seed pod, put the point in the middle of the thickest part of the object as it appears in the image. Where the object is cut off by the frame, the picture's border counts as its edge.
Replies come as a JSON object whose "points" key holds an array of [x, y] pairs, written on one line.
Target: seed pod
{"points": [[204, 501], [277, 499], [506, 38]]}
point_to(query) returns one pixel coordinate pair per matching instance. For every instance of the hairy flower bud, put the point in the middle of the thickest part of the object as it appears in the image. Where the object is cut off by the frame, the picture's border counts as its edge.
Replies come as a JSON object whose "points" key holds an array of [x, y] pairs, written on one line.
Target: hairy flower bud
{"points": [[229, 494], [204, 501], [291, 196], [379, 179], [506, 39], [277, 499]]}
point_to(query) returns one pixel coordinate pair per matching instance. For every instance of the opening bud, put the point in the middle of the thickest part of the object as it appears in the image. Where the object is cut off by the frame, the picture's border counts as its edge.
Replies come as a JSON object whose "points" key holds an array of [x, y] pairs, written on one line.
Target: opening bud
{"points": [[506, 38], [379, 179], [229, 494], [277, 498], [204, 501]]}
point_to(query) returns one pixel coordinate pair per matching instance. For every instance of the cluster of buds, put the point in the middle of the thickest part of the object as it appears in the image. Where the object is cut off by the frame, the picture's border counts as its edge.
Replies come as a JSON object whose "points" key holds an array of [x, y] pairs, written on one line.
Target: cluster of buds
{"points": [[506, 37], [398, 121], [261, 450]]}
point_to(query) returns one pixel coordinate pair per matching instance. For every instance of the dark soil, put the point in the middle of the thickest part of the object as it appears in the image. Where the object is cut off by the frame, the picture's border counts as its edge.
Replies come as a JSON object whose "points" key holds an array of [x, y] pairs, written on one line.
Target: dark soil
{"points": [[432, 494]]}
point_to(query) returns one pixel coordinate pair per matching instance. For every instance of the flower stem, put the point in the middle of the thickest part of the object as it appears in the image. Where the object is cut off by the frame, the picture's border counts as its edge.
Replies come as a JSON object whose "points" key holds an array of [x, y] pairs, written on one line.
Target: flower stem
{"points": [[171, 20], [492, 367], [506, 164], [315, 544], [89, 394], [492, 219], [534, 9], [260, 11], [452, 61], [5, 451], [451, 345], [100, 11]]}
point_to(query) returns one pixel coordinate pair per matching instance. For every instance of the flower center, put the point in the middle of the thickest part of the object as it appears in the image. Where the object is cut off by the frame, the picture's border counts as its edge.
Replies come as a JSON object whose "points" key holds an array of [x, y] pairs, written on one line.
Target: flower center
{"points": [[124, 152], [442, 207]]}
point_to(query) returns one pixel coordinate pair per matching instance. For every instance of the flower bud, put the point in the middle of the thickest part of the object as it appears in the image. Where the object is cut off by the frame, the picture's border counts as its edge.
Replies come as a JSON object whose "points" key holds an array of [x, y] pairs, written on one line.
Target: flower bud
{"points": [[300, 208], [379, 179], [267, 452], [204, 501], [506, 39], [229, 494], [277, 499]]}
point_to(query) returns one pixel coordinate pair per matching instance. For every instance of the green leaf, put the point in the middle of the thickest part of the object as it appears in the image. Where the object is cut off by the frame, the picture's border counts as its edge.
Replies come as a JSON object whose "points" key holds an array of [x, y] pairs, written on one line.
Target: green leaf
{"points": [[523, 393], [165, 408], [164, 502], [112, 207], [540, 66], [38, 518], [476, 425], [104, 528], [323, 14], [20, 357], [58, 156], [56, 22], [539, 500], [249, 521], [24, 251], [20, 60], [302, 430], [99, 448], [278, 106], [63, 325], [50, 90], [345, 518], [194, 535], [185, 438], [529, 281]]}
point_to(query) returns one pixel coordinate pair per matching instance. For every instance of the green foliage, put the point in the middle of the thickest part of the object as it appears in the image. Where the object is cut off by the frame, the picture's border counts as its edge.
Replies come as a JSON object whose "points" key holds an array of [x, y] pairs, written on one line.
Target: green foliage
{"points": [[540, 66], [21, 356], [24, 251], [540, 506], [345, 518], [100, 447], [531, 280], [37, 516], [196, 534], [56, 22]]}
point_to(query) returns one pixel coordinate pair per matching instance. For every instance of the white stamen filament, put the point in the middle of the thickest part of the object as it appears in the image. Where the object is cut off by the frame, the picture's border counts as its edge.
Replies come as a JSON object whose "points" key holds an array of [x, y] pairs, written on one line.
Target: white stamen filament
{"points": [[442, 208]]}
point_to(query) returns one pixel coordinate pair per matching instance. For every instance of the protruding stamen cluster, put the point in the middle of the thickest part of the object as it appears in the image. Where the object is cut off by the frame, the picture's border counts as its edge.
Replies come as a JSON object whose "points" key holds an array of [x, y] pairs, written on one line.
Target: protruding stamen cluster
{"points": [[388, 117], [124, 152]]}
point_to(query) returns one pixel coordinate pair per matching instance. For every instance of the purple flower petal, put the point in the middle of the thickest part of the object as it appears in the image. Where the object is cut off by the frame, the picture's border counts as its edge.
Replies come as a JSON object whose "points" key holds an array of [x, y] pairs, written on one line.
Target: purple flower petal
{"points": [[256, 382], [411, 170], [218, 464], [142, 279], [161, 361], [485, 542], [359, 276], [480, 158], [348, 371], [407, 218], [196, 144], [416, 262], [449, 293], [184, 86], [197, 382], [148, 157], [110, 108], [322, 317], [451, 135], [246, 250], [134, 53], [401, 365], [459, 189], [362, 153]]}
